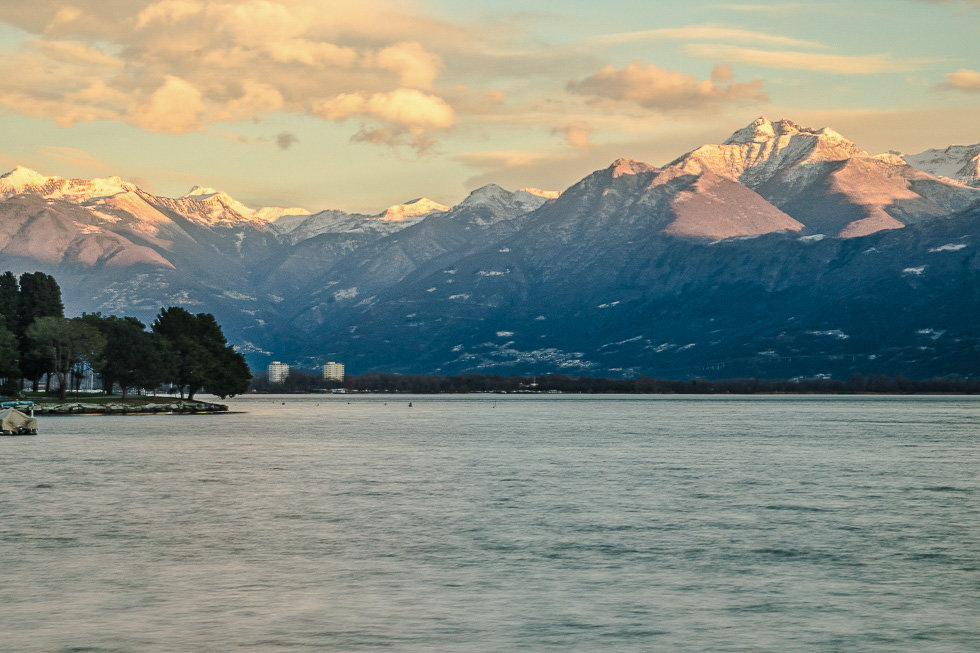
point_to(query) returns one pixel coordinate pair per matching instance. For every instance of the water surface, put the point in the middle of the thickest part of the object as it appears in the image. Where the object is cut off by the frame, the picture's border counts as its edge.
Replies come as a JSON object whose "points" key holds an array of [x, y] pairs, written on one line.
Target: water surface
{"points": [[498, 523]]}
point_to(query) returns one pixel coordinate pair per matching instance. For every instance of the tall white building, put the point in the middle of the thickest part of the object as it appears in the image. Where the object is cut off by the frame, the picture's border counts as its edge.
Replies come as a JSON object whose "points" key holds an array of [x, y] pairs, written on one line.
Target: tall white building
{"points": [[333, 371], [278, 372]]}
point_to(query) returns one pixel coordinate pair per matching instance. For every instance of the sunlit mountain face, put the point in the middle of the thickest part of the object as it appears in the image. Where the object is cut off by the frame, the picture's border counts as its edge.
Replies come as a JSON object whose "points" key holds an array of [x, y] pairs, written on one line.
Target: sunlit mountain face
{"points": [[782, 251]]}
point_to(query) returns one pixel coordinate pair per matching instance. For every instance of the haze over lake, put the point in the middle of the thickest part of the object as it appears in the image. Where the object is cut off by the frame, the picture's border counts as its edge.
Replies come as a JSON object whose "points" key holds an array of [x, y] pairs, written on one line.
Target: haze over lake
{"points": [[490, 523]]}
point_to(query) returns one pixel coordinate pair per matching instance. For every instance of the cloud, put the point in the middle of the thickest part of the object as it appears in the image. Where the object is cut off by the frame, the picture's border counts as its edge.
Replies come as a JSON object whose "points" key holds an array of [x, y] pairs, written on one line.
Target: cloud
{"points": [[779, 7], [962, 80], [722, 73], [493, 159], [577, 134], [407, 116], [704, 33], [791, 60], [76, 158], [178, 66], [404, 107], [414, 65], [968, 3], [664, 90], [174, 108], [256, 99], [286, 140]]}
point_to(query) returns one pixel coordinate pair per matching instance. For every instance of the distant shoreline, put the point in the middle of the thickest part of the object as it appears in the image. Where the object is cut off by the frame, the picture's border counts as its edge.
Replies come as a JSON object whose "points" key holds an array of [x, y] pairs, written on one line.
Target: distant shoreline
{"points": [[300, 382]]}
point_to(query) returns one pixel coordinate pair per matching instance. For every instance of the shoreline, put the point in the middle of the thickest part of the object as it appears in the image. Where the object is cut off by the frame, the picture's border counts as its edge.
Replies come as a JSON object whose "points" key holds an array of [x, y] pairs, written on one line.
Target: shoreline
{"points": [[179, 407]]}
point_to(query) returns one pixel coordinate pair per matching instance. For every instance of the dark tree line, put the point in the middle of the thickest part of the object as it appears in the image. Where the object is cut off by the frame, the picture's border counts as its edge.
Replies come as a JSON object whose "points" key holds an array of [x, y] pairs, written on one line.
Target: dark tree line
{"points": [[431, 383], [186, 351]]}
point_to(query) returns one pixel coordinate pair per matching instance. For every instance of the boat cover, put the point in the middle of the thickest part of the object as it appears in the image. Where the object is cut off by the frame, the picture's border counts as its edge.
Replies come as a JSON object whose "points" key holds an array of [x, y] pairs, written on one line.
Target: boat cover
{"points": [[13, 420]]}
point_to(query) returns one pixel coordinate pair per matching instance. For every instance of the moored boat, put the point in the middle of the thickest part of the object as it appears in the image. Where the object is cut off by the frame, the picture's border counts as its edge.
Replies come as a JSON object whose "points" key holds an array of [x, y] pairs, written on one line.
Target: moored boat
{"points": [[15, 422]]}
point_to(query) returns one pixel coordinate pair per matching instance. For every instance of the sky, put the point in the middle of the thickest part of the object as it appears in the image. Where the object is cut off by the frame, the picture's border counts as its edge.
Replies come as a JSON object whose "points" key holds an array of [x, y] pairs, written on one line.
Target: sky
{"points": [[360, 104]]}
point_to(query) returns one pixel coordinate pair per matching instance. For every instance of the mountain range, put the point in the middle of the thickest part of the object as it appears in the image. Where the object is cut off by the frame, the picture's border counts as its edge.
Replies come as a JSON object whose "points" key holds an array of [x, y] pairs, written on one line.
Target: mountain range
{"points": [[783, 251]]}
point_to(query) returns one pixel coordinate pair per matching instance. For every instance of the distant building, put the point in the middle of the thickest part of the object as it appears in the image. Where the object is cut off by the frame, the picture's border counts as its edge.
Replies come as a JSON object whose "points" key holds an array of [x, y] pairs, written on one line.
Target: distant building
{"points": [[278, 372], [333, 371]]}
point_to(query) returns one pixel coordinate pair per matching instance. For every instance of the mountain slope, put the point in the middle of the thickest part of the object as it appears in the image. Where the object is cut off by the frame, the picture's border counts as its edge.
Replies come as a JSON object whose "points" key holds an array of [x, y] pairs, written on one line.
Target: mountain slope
{"points": [[783, 251], [959, 163], [895, 302], [825, 181]]}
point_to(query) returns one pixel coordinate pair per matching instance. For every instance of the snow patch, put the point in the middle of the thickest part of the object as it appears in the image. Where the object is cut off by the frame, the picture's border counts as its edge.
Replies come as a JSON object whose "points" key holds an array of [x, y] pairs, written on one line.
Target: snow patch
{"points": [[950, 247], [231, 294], [833, 333]]}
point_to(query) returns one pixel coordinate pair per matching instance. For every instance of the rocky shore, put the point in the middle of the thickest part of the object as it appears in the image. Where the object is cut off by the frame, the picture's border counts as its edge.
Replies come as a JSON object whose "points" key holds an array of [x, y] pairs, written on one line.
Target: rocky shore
{"points": [[177, 407]]}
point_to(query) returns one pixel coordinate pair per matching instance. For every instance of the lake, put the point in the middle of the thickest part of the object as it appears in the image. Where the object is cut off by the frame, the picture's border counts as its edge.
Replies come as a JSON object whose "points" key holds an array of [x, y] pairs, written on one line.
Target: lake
{"points": [[498, 523]]}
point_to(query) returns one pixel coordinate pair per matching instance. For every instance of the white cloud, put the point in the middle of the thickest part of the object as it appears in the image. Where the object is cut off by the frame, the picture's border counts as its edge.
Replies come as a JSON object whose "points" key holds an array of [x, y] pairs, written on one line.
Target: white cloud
{"points": [[414, 65], [176, 66], [963, 80], [404, 107], [705, 33], [791, 60], [656, 88], [175, 108]]}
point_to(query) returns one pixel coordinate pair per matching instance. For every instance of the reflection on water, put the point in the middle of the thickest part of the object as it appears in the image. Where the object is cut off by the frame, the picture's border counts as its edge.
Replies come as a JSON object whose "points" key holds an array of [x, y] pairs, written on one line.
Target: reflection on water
{"points": [[490, 523]]}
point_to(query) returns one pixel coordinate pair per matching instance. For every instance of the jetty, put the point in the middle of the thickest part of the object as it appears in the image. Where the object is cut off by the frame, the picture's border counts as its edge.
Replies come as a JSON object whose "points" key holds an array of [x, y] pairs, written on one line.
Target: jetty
{"points": [[174, 407]]}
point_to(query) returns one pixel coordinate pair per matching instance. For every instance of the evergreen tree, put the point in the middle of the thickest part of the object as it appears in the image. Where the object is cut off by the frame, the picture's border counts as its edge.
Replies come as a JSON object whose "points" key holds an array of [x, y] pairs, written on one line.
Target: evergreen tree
{"points": [[133, 358], [201, 357], [40, 296], [9, 361], [9, 300]]}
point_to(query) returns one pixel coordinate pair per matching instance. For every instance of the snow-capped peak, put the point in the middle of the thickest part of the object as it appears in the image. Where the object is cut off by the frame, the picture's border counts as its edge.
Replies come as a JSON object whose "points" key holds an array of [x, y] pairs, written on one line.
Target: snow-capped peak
{"points": [[202, 193], [960, 163], [23, 177], [411, 209], [488, 193], [761, 129], [764, 148], [538, 192], [626, 166], [273, 213], [503, 203]]}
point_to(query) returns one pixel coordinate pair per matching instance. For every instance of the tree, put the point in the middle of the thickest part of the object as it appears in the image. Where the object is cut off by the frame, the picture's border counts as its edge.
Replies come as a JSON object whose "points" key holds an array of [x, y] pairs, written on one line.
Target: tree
{"points": [[201, 357], [133, 358], [64, 343], [9, 300], [40, 296], [230, 374], [9, 361]]}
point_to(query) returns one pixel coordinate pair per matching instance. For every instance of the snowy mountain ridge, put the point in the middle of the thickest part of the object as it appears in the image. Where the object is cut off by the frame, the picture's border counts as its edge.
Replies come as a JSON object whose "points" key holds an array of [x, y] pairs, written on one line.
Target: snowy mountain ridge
{"points": [[745, 253], [959, 163]]}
